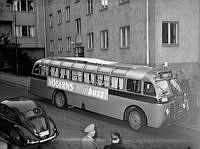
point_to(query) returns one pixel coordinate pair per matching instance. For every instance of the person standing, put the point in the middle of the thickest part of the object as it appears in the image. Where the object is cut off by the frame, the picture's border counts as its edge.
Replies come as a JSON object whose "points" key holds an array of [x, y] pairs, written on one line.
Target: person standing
{"points": [[88, 142], [116, 142]]}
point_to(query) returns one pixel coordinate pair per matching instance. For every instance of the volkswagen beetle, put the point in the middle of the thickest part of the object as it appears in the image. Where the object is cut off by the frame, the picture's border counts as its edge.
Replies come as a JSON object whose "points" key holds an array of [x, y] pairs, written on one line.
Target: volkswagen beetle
{"points": [[25, 122]]}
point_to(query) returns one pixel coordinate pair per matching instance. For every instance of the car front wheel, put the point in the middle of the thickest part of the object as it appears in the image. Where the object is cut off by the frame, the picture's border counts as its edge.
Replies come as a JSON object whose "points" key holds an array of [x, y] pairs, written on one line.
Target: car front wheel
{"points": [[16, 138]]}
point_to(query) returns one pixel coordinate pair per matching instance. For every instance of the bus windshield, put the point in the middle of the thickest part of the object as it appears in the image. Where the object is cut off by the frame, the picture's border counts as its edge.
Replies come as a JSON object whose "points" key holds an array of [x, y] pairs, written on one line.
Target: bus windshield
{"points": [[162, 88], [174, 86]]}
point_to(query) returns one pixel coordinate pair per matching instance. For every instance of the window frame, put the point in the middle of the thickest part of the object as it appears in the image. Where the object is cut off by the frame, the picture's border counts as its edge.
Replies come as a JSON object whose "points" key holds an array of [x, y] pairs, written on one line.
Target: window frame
{"points": [[90, 41], [59, 17], [104, 39], [123, 2], [125, 36], [50, 20], [67, 14], [103, 4], [90, 8], [168, 33], [68, 42], [60, 45]]}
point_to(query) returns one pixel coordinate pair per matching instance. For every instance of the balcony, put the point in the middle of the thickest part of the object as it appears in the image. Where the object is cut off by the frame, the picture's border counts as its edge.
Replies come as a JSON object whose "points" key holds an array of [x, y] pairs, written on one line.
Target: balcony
{"points": [[6, 12]]}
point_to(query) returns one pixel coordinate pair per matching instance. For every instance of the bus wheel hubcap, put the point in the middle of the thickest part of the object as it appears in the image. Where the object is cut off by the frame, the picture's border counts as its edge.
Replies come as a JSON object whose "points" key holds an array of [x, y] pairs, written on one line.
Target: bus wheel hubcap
{"points": [[135, 120]]}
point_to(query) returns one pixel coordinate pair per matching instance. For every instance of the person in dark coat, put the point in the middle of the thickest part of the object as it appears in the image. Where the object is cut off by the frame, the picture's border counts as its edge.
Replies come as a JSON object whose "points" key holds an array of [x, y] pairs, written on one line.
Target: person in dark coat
{"points": [[116, 142]]}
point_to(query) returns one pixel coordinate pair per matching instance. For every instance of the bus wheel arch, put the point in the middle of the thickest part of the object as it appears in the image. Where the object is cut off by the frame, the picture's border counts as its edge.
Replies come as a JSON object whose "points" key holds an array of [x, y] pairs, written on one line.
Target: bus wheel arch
{"points": [[134, 112], [59, 98]]}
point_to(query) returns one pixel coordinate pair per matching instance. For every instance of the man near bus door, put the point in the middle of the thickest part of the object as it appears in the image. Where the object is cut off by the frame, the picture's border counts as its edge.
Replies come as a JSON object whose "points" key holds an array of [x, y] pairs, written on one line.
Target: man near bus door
{"points": [[88, 142], [116, 142], [193, 112]]}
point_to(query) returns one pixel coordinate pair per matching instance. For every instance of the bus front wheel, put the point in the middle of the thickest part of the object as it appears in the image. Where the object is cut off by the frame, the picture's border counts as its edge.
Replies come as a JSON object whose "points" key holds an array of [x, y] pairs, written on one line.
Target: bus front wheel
{"points": [[137, 119], [59, 99]]}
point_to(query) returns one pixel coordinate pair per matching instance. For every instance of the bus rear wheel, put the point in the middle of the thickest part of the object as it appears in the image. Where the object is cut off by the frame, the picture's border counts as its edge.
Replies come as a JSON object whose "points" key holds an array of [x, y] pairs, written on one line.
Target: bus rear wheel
{"points": [[137, 119], [59, 99]]}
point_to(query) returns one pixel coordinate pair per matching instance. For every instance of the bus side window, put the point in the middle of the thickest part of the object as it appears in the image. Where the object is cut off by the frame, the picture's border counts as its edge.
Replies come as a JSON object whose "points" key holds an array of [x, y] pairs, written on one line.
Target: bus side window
{"points": [[54, 72], [134, 85], [149, 89], [44, 70], [89, 78], [100, 80], [64, 73], [36, 69], [117, 83], [106, 81], [80, 76], [74, 75]]}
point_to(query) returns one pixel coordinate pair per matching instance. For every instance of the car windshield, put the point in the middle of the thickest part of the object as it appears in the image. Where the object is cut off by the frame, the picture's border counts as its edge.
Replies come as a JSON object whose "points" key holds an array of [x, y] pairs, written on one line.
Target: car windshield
{"points": [[162, 88]]}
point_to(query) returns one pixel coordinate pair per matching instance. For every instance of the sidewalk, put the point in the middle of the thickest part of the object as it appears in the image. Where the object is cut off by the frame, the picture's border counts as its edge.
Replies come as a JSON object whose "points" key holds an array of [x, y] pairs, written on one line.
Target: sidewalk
{"points": [[25, 82]]}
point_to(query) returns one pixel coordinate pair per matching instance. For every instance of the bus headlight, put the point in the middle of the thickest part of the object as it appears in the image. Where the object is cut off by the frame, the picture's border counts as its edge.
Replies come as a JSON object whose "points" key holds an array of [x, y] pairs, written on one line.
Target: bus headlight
{"points": [[167, 111], [164, 99], [184, 106]]}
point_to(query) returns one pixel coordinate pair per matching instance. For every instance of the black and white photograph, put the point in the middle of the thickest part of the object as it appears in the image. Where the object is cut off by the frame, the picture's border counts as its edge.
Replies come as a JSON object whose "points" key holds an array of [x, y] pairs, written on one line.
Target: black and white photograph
{"points": [[99, 74]]}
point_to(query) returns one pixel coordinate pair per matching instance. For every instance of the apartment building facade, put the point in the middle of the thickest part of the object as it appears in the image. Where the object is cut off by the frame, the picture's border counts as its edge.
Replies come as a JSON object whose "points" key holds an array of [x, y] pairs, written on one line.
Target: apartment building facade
{"points": [[23, 21], [148, 32]]}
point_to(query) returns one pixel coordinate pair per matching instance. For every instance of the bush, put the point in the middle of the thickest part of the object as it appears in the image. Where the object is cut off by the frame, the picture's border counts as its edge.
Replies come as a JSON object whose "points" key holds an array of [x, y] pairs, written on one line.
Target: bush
{"points": [[25, 64]]}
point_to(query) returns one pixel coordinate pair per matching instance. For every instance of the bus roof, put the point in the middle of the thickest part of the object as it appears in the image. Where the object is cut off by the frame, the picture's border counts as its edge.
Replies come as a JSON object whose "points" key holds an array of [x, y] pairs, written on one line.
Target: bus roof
{"points": [[108, 67]]}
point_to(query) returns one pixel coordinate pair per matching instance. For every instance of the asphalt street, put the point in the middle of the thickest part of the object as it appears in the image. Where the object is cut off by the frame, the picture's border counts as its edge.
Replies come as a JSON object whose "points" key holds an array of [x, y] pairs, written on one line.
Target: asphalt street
{"points": [[72, 122]]}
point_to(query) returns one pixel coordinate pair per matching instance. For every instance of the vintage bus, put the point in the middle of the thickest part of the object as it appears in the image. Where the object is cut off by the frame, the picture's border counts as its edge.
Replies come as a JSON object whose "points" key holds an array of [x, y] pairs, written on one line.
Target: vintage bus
{"points": [[142, 95]]}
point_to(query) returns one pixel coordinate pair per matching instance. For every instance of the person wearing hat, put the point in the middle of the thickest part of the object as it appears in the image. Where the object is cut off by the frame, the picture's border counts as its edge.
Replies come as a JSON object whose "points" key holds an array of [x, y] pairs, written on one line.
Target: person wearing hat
{"points": [[116, 142], [88, 142]]}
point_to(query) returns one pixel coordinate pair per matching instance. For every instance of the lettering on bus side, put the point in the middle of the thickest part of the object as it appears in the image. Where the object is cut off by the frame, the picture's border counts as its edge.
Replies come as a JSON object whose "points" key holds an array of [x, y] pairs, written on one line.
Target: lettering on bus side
{"points": [[79, 88], [56, 83]]}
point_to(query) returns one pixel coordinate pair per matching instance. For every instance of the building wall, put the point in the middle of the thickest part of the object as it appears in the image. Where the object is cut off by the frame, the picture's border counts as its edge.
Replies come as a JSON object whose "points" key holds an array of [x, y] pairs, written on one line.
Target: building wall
{"points": [[186, 12], [132, 13], [35, 18]]}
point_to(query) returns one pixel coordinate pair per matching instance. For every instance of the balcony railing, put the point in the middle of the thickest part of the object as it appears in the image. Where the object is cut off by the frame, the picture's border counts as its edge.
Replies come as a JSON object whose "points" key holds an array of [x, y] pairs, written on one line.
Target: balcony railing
{"points": [[6, 13]]}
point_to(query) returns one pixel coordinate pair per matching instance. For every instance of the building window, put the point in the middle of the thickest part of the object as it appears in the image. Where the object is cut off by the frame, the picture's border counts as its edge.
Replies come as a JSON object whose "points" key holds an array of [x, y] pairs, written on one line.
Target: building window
{"points": [[76, 1], [51, 45], [67, 13], [23, 5], [103, 4], [89, 6], [78, 26], [60, 45], [170, 33], [104, 39], [123, 1], [90, 39], [51, 20], [59, 17], [124, 36], [25, 31], [68, 43]]}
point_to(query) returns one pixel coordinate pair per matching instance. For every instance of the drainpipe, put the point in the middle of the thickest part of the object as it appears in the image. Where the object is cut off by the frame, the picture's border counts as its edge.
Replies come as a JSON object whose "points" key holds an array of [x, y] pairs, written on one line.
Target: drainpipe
{"points": [[147, 32], [45, 39]]}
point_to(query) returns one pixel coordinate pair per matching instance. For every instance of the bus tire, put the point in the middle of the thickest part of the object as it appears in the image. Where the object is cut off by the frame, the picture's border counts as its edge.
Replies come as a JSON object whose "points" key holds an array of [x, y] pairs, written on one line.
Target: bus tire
{"points": [[59, 99], [137, 119]]}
